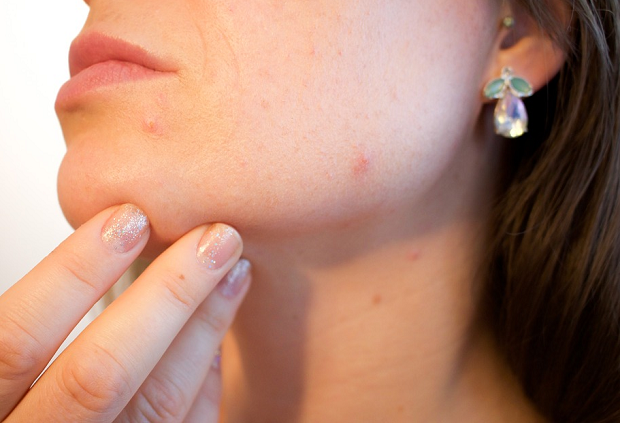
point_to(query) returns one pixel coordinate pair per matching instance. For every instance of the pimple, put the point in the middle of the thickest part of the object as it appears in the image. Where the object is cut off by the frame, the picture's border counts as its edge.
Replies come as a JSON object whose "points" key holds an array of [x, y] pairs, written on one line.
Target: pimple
{"points": [[152, 125], [361, 164]]}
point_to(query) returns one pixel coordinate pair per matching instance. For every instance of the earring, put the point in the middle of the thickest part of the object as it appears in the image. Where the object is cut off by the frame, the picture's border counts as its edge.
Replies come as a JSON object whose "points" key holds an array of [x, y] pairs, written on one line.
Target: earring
{"points": [[508, 22], [510, 115]]}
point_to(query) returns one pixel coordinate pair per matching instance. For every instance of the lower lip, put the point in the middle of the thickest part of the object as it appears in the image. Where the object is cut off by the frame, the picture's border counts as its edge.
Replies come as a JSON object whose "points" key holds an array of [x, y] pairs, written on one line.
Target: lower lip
{"points": [[103, 75]]}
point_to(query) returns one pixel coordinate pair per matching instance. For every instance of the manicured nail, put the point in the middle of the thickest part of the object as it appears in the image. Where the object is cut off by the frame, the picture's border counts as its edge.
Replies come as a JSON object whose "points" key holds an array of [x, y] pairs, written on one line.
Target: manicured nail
{"points": [[235, 279], [218, 245], [124, 228]]}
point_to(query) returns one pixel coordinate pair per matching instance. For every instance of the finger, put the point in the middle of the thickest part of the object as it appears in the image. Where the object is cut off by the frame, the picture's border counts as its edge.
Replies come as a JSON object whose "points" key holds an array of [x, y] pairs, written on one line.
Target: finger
{"points": [[169, 391], [102, 369], [40, 310], [206, 406]]}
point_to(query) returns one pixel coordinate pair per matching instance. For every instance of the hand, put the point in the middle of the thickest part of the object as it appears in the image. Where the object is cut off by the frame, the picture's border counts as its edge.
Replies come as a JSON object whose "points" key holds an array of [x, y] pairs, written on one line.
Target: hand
{"points": [[147, 357]]}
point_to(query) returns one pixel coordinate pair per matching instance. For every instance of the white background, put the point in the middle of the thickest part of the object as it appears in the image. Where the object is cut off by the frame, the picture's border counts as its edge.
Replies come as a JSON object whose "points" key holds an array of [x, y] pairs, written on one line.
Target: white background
{"points": [[34, 46]]}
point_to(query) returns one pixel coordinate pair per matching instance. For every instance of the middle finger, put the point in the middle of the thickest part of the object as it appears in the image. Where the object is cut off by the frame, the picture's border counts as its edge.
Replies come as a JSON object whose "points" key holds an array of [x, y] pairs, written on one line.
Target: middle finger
{"points": [[170, 390]]}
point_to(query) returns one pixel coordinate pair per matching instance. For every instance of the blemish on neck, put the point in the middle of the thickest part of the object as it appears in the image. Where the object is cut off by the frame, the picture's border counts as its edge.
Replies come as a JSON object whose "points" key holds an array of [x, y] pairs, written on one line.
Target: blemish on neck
{"points": [[413, 255]]}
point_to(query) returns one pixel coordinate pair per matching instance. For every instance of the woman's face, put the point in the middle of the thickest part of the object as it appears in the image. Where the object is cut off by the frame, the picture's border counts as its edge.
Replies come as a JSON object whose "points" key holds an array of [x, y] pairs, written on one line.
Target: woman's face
{"points": [[276, 116]]}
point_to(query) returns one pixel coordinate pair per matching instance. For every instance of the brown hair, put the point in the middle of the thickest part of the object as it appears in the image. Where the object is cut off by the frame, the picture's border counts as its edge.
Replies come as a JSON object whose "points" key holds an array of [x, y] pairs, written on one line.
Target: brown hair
{"points": [[554, 280]]}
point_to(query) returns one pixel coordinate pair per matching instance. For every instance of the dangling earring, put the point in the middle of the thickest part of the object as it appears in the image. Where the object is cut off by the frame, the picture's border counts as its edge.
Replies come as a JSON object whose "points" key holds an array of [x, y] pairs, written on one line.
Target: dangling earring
{"points": [[510, 115]]}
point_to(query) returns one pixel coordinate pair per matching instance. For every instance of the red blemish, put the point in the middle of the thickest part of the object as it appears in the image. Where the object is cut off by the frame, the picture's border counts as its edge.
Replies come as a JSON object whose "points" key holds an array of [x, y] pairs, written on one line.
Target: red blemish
{"points": [[413, 255], [152, 125], [361, 165], [376, 299]]}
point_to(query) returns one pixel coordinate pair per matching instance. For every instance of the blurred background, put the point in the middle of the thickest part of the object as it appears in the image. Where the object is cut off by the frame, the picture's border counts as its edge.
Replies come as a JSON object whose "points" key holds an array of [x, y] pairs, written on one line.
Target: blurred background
{"points": [[34, 46]]}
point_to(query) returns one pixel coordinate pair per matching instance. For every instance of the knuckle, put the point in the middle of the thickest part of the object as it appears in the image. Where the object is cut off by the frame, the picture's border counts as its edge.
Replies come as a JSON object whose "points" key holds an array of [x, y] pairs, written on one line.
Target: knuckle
{"points": [[212, 320], [160, 401], [94, 382], [80, 269], [178, 293], [19, 351]]}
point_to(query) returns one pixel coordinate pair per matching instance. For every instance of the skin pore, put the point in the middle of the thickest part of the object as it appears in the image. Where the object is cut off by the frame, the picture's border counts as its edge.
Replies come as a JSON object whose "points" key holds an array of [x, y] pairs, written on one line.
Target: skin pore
{"points": [[348, 143]]}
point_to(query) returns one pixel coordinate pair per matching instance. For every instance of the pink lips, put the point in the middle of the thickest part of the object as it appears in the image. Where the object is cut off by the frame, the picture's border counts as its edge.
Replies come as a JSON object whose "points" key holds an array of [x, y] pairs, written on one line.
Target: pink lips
{"points": [[97, 60]]}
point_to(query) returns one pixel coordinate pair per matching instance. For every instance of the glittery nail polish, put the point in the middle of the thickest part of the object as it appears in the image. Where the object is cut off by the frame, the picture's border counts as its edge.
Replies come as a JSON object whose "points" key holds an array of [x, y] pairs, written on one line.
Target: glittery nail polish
{"points": [[124, 228], [217, 246], [235, 279]]}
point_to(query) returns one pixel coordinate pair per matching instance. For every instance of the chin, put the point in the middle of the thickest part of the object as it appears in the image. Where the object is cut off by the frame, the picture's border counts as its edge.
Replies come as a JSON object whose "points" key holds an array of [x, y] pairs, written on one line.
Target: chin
{"points": [[86, 186], [99, 171]]}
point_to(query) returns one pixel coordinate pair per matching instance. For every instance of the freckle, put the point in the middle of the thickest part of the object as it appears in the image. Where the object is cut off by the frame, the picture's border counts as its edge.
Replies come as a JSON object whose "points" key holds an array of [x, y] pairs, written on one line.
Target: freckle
{"points": [[265, 104], [182, 277], [361, 164], [376, 299]]}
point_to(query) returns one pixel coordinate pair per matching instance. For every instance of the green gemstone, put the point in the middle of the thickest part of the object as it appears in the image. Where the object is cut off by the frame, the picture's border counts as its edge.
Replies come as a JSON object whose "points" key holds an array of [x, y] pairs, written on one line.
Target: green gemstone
{"points": [[494, 88], [521, 87]]}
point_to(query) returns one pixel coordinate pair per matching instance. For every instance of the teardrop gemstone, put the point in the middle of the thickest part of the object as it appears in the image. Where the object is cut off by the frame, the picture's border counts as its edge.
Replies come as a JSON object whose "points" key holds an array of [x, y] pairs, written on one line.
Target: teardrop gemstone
{"points": [[510, 116]]}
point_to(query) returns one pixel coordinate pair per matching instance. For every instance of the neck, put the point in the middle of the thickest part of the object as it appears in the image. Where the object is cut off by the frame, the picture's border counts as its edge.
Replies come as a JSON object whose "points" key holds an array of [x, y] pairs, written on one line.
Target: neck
{"points": [[376, 322]]}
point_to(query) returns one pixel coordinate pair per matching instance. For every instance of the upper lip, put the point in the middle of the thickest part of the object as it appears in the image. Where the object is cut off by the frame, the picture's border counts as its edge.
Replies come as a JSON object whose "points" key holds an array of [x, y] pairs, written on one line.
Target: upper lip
{"points": [[94, 47]]}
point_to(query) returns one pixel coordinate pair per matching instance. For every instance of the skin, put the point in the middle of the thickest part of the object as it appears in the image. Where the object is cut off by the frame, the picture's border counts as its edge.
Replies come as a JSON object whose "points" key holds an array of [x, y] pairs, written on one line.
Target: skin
{"points": [[349, 145]]}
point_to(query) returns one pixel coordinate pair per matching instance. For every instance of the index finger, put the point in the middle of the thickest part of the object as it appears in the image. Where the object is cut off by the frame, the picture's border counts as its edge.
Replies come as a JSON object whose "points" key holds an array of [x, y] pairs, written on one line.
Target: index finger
{"points": [[40, 310]]}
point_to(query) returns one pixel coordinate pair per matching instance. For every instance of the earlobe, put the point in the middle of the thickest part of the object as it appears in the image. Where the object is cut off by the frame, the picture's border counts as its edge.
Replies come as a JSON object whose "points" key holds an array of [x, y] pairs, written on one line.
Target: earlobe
{"points": [[528, 50], [525, 60]]}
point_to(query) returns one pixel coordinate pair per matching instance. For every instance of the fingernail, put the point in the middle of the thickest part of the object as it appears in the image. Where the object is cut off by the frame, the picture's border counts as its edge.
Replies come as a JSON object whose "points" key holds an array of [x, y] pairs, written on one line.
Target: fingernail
{"points": [[235, 279], [124, 228], [218, 245]]}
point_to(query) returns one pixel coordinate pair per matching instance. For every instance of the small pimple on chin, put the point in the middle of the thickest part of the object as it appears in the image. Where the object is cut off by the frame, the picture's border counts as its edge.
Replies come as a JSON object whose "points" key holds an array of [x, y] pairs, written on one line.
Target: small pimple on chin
{"points": [[152, 125]]}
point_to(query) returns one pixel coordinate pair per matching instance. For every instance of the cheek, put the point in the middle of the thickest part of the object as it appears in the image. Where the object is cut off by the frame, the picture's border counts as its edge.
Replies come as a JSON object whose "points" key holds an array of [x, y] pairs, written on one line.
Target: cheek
{"points": [[360, 165], [282, 138]]}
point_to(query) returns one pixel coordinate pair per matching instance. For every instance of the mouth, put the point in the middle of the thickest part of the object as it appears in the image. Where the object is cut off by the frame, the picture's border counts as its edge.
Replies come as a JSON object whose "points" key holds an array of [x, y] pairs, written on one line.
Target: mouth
{"points": [[97, 60]]}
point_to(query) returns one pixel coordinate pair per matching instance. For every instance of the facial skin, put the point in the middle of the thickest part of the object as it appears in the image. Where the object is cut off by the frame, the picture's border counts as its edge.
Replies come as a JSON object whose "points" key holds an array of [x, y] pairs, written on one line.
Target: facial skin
{"points": [[348, 143], [283, 117]]}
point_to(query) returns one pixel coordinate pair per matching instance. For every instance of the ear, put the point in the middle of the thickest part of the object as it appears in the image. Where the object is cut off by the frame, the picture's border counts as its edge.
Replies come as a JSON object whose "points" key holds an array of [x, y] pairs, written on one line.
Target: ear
{"points": [[527, 49]]}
